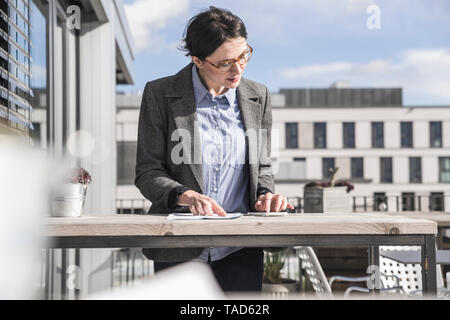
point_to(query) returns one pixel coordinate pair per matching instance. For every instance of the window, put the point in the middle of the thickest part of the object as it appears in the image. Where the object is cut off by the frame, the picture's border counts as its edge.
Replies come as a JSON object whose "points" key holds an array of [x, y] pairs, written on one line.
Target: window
{"points": [[357, 168], [59, 89], [320, 135], [406, 135], [14, 113], [327, 164], [444, 169], [290, 170], [437, 201], [291, 135], [298, 168], [408, 201], [130, 211], [380, 201], [386, 170], [435, 134], [349, 134], [126, 162], [415, 170], [36, 134], [377, 135]]}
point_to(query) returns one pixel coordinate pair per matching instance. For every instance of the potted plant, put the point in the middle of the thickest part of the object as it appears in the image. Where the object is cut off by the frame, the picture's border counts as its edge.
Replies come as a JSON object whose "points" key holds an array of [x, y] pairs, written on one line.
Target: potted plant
{"points": [[67, 200], [273, 282], [328, 196]]}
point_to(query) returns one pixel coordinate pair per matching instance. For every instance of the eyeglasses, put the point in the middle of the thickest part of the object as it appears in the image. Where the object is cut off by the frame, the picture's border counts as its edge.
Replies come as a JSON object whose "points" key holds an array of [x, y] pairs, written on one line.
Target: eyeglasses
{"points": [[226, 65]]}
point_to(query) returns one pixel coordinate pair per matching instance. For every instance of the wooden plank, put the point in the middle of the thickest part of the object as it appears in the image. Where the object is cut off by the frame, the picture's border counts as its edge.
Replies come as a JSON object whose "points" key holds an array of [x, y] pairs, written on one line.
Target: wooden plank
{"points": [[292, 224], [441, 218]]}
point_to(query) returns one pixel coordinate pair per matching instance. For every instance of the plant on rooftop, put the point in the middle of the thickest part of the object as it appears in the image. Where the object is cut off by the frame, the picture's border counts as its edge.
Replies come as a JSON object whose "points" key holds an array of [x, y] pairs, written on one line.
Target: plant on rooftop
{"points": [[79, 175], [332, 183], [273, 263]]}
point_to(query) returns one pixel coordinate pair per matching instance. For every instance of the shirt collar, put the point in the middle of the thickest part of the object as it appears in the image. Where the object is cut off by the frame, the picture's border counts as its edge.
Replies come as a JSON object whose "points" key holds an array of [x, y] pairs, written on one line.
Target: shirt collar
{"points": [[200, 91]]}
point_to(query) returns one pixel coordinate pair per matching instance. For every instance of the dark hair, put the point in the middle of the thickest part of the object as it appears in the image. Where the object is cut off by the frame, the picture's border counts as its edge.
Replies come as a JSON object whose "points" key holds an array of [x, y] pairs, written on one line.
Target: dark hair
{"points": [[206, 31]]}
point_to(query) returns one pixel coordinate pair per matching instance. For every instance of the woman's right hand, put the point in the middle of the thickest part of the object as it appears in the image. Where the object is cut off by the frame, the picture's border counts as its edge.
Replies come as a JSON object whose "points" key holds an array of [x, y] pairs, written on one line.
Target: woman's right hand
{"points": [[200, 204]]}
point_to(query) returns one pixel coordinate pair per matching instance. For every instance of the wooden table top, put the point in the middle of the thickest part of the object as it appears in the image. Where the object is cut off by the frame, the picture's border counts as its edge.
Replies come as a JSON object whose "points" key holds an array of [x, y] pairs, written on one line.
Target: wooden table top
{"points": [[292, 224], [441, 218]]}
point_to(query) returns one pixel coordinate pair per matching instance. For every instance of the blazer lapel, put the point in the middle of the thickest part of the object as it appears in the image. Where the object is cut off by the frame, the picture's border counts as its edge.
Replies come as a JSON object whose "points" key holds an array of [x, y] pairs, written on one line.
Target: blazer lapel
{"points": [[183, 107], [251, 111]]}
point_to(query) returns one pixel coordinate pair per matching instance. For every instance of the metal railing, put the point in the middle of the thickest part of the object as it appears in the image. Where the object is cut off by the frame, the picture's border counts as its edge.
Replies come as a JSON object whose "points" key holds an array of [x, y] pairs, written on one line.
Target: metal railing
{"points": [[359, 204], [132, 206], [386, 203], [129, 264], [423, 203]]}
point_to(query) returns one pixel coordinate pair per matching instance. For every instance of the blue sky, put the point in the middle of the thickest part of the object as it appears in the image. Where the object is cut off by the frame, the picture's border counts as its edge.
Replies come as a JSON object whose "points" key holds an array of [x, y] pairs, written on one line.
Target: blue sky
{"points": [[311, 43]]}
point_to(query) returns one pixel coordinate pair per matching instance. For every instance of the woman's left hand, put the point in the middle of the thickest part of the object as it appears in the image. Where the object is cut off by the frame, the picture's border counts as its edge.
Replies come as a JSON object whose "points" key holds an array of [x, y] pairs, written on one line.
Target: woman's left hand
{"points": [[270, 202]]}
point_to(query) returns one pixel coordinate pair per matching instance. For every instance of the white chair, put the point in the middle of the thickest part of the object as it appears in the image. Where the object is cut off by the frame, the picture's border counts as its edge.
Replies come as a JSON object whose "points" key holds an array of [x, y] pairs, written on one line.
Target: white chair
{"points": [[410, 275], [322, 286]]}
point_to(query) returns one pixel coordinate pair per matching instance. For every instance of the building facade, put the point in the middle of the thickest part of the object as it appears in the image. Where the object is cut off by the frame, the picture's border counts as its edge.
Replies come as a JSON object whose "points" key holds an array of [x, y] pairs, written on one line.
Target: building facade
{"points": [[129, 198], [397, 157], [15, 67], [82, 50]]}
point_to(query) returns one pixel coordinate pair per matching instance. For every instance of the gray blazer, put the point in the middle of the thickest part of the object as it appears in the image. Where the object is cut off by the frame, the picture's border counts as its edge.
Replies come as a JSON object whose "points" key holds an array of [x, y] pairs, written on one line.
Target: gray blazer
{"points": [[168, 104]]}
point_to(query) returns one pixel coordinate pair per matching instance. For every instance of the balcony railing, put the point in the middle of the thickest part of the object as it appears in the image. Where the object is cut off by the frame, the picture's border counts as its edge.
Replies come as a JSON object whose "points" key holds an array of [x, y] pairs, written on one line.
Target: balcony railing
{"points": [[359, 204]]}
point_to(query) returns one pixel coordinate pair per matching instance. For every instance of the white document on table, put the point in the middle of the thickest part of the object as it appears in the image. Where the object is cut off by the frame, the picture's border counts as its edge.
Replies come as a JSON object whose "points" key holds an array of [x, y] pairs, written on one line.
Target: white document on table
{"points": [[191, 216], [267, 214]]}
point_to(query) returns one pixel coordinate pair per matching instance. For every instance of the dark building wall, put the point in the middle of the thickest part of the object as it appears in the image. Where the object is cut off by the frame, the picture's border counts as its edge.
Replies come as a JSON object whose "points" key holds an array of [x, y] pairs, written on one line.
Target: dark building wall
{"points": [[343, 97]]}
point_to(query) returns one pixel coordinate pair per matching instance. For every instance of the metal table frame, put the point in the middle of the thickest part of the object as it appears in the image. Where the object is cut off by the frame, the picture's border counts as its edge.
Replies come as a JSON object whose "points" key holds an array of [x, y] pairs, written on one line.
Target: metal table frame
{"points": [[427, 243]]}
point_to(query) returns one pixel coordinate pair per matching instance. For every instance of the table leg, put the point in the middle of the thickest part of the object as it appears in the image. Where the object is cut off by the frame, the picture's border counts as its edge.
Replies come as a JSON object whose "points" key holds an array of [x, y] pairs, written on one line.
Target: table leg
{"points": [[300, 274], [63, 273], [49, 279], [440, 238], [47, 274], [77, 263], [429, 265], [374, 264]]}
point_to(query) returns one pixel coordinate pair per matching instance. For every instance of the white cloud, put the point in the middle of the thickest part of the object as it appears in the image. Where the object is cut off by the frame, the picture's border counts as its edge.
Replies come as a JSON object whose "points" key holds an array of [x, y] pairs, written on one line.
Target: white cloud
{"points": [[418, 71], [315, 70], [148, 17]]}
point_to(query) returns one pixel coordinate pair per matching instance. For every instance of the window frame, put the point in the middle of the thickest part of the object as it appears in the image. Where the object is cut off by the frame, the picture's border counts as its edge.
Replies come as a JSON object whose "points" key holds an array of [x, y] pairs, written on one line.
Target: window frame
{"points": [[289, 136], [406, 134], [320, 128], [376, 135], [415, 178], [383, 172], [442, 171], [433, 134], [348, 135], [326, 175], [352, 167]]}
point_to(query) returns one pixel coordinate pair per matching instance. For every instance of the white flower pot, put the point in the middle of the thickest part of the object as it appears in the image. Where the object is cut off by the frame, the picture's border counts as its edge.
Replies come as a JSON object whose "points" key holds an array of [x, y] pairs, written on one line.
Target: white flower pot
{"points": [[68, 200], [327, 200], [280, 291]]}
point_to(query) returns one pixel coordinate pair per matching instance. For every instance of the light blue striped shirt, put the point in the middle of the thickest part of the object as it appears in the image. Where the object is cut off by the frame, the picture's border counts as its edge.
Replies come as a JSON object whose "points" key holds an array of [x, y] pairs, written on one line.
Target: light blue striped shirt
{"points": [[224, 154]]}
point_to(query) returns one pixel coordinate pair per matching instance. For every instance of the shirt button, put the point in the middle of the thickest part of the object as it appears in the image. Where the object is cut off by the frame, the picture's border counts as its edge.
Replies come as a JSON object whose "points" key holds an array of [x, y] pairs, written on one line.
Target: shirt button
{"points": [[214, 189], [217, 168], [217, 128]]}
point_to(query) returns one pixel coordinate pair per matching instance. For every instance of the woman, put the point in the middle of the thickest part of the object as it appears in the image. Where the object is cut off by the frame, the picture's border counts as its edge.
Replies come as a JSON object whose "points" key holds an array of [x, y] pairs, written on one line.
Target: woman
{"points": [[199, 145]]}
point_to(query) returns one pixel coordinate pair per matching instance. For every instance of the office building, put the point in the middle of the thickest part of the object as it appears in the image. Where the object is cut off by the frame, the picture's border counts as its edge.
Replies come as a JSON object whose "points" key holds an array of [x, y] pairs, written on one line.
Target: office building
{"points": [[396, 156], [393, 154], [80, 63], [15, 67]]}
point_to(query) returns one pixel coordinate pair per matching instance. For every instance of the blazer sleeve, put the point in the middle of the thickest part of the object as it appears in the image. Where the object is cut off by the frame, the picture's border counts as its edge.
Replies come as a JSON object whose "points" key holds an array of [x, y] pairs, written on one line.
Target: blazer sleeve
{"points": [[152, 178], [265, 177]]}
